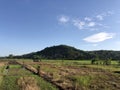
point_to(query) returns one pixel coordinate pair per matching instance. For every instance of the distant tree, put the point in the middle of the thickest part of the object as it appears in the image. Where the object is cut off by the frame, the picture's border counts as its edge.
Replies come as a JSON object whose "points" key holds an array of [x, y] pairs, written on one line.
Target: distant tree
{"points": [[10, 56], [36, 58], [93, 61], [118, 62], [107, 61]]}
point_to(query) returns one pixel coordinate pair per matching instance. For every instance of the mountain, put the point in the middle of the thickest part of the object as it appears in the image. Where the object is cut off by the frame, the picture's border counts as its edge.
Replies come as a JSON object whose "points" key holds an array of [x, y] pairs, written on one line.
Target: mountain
{"points": [[60, 52], [71, 53]]}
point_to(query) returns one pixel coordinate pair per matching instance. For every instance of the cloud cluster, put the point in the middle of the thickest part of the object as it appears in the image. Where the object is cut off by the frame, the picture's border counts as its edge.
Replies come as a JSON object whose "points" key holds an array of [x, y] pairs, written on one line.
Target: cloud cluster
{"points": [[103, 15], [88, 19], [79, 24], [89, 23], [99, 37]]}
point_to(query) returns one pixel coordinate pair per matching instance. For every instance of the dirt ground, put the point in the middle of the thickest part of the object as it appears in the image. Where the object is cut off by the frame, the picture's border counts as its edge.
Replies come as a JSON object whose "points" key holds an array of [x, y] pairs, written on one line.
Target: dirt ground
{"points": [[2, 64]]}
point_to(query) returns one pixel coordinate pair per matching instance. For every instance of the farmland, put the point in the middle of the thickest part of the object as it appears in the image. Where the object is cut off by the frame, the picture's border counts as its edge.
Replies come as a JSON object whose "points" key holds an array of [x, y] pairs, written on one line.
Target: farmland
{"points": [[59, 75]]}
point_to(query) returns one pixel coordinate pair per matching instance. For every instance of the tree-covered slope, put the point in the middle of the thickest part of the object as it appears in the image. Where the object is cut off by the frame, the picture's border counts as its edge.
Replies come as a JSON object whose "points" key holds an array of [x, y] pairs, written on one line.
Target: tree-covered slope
{"points": [[60, 52], [68, 52]]}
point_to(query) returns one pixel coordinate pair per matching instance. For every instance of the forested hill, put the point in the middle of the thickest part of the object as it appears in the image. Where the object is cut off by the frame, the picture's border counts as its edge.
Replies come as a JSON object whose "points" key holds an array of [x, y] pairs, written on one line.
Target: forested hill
{"points": [[60, 52], [68, 52]]}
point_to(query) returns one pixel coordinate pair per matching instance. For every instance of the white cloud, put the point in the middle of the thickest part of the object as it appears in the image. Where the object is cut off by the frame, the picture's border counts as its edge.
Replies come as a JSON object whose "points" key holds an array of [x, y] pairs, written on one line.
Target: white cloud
{"points": [[63, 19], [91, 24], [79, 24], [99, 37], [87, 23], [100, 17], [87, 19], [103, 15], [102, 25]]}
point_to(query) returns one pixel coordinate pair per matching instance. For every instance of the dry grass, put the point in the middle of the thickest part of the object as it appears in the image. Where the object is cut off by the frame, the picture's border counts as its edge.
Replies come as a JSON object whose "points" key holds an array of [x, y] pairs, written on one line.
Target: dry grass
{"points": [[27, 83]]}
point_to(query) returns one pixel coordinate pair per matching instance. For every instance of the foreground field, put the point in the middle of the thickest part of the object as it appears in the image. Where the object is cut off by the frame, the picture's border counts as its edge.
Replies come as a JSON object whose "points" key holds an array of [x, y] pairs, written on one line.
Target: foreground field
{"points": [[18, 78], [61, 75]]}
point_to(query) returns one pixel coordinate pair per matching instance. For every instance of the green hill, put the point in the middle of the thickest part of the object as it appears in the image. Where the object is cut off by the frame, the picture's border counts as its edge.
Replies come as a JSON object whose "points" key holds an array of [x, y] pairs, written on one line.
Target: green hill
{"points": [[60, 52], [68, 52]]}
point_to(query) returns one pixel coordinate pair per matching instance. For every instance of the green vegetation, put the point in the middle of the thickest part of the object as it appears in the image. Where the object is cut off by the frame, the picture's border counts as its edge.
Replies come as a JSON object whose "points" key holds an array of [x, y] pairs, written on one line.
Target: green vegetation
{"points": [[1, 73], [62, 66], [82, 80], [15, 72], [44, 85], [70, 53], [73, 74], [9, 83]]}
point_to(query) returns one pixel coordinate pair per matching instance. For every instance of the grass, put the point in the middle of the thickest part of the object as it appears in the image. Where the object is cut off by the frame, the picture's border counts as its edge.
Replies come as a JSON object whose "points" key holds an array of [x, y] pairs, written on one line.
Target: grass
{"points": [[17, 70], [1, 69], [1, 79], [9, 81], [44, 85], [105, 67], [15, 66], [113, 67], [1, 73], [81, 80], [59, 69]]}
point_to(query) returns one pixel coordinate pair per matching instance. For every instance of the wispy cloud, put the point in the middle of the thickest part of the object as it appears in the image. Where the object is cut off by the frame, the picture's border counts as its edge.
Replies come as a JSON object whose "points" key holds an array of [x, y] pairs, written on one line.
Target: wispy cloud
{"points": [[86, 23], [63, 19], [91, 24], [88, 19], [79, 24], [99, 37], [103, 15], [100, 17]]}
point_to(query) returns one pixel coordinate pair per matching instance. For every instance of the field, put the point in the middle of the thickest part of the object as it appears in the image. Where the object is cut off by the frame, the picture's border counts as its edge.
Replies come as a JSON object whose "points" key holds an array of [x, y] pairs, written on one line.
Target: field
{"points": [[58, 75]]}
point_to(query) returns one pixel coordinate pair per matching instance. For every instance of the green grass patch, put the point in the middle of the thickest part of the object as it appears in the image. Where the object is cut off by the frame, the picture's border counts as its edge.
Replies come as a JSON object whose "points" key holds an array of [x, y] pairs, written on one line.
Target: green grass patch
{"points": [[1, 78], [9, 83], [106, 67], [82, 80], [18, 72], [44, 85], [2, 69], [15, 66]]}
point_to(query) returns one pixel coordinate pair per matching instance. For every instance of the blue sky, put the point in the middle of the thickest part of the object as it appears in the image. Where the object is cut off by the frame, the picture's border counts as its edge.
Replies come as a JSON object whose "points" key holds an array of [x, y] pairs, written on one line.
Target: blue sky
{"points": [[31, 25]]}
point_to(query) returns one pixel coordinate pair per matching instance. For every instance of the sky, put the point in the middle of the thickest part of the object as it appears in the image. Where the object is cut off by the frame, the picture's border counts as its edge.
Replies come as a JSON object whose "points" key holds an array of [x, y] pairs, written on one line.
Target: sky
{"points": [[32, 25]]}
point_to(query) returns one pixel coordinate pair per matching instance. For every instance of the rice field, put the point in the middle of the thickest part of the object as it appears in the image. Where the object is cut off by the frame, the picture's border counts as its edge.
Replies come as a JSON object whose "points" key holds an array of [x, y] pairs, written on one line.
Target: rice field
{"points": [[60, 75]]}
